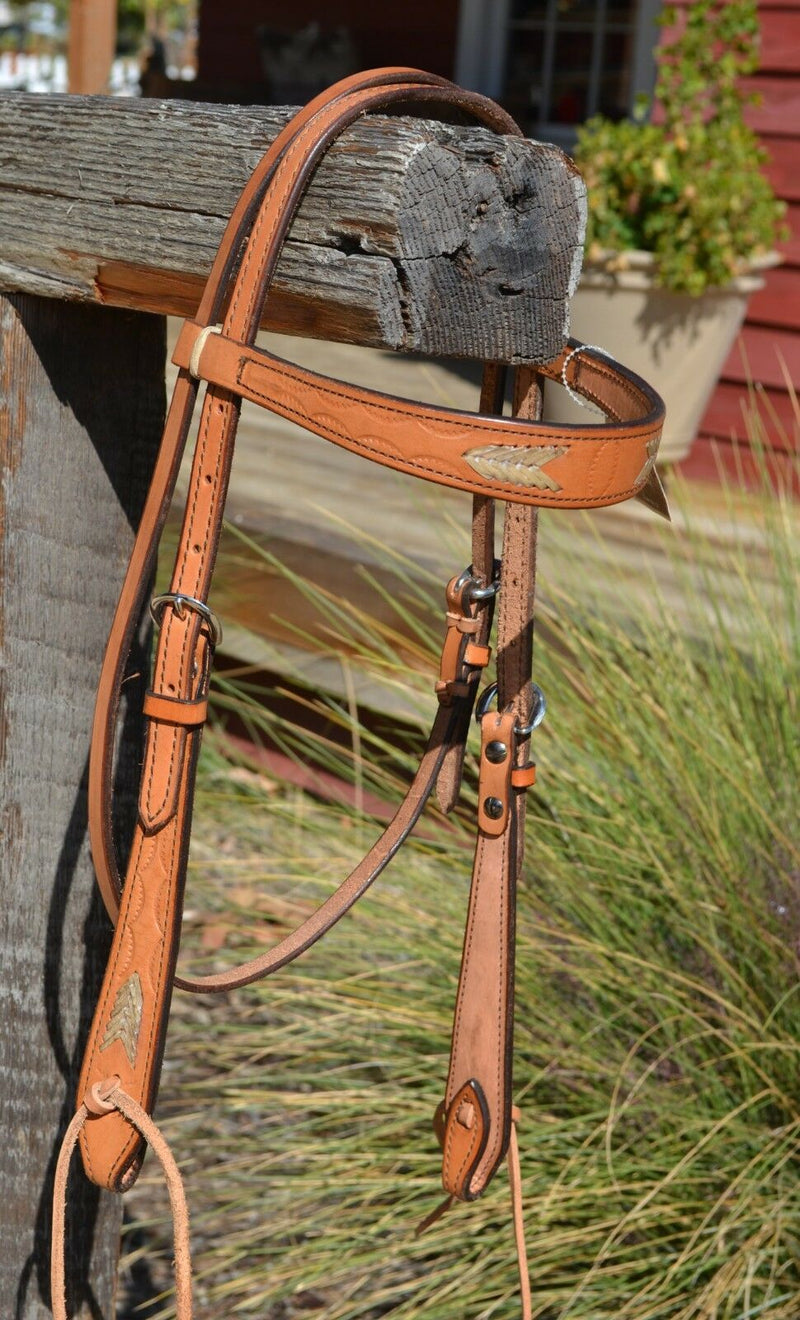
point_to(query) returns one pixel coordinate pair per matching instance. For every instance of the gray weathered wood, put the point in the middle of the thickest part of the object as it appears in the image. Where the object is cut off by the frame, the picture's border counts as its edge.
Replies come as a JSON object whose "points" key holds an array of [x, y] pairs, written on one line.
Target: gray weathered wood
{"points": [[75, 464], [413, 235]]}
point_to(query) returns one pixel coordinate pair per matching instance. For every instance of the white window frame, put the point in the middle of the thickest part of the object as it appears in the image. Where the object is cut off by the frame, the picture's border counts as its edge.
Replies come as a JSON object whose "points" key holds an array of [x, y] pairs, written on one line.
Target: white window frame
{"points": [[483, 41]]}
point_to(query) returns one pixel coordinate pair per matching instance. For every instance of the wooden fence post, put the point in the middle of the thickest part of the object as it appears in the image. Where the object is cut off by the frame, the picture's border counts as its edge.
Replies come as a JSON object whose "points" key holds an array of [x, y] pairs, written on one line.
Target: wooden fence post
{"points": [[81, 411], [90, 47]]}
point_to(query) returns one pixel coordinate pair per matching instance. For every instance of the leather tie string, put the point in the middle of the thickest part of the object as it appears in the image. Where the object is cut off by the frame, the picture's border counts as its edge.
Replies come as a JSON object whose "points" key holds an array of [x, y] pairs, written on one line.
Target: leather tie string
{"points": [[103, 1098]]}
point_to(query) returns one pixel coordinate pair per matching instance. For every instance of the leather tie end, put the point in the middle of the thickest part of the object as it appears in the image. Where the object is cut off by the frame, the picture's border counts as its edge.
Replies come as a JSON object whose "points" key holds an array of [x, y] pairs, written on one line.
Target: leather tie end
{"points": [[97, 1099], [466, 1132]]}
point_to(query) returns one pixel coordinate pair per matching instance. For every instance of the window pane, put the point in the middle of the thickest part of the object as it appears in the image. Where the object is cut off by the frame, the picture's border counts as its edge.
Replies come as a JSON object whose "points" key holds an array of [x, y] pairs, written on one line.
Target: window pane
{"points": [[571, 68], [614, 90], [523, 91]]}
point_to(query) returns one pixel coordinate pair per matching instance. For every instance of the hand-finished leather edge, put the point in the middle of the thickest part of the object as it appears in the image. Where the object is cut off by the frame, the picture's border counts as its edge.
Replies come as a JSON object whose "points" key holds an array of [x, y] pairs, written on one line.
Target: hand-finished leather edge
{"points": [[463, 1139], [527, 462]]}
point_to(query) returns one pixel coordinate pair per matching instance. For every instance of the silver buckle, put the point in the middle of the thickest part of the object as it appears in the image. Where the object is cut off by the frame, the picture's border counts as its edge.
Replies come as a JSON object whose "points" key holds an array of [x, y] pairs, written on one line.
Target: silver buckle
{"points": [[538, 709], [180, 604], [476, 592]]}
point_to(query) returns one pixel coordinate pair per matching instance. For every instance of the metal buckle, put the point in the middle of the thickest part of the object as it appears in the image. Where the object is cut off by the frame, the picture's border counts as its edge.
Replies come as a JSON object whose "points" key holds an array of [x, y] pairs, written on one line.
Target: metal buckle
{"points": [[477, 593], [538, 709], [180, 604]]}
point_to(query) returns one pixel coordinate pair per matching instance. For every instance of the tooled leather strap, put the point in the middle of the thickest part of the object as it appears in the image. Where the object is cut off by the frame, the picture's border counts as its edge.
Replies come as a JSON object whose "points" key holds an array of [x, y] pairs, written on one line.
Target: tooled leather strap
{"points": [[128, 1030], [474, 1120], [540, 463]]}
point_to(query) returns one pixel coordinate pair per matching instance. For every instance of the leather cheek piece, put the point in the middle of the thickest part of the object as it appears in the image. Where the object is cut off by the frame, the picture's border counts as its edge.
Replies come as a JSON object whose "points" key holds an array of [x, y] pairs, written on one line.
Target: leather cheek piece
{"points": [[522, 462]]}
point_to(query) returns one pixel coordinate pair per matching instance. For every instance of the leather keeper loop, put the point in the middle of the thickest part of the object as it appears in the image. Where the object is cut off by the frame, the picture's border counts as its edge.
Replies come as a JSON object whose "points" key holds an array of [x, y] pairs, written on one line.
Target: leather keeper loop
{"points": [[447, 688], [463, 623], [171, 710], [523, 776], [476, 655], [497, 741]]}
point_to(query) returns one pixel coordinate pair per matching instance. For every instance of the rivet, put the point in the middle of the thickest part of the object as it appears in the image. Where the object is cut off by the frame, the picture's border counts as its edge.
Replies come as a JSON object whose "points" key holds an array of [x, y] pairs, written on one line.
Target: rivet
{"points": [[493, 808], [496, 751]]}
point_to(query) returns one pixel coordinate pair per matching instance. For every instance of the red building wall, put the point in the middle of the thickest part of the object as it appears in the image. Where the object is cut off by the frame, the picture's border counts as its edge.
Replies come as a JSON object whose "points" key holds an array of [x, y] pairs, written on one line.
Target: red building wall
{"points": [[769, 349]]}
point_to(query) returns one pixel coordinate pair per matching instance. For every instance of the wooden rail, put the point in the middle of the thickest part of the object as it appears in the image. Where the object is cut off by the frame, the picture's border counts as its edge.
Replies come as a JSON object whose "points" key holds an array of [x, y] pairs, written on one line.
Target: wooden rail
{"points": [[433, 238], [413, 235]]}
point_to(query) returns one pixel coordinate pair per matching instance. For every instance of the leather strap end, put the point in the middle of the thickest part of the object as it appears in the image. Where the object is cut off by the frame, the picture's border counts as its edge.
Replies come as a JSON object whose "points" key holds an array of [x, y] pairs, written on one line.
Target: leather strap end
{"points": [[465, 1132], [447, 691], [494, 784]]}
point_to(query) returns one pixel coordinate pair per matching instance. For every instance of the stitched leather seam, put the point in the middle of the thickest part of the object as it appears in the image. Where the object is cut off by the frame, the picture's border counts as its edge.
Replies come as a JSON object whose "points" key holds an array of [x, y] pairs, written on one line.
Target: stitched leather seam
{"points": [[157, 1016], [468, 942], [100, 1012], [604, 370], [634, 431], [496, 1130], [163, 731], [490, 487], [134, 868]]}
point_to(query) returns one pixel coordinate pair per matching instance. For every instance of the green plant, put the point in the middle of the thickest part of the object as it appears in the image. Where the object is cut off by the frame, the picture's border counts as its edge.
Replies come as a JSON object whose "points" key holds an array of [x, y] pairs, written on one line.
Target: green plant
{"points": [[690, 189]]}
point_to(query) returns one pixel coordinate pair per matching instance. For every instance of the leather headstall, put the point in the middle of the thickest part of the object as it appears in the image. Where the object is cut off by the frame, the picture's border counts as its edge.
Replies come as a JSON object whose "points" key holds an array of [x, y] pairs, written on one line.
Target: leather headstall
{"points": [[518, 460]]}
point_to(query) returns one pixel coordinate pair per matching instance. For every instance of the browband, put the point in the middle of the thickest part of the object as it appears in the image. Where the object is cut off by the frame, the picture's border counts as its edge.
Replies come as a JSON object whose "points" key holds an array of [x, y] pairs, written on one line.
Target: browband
{"points": [[532, 463]]}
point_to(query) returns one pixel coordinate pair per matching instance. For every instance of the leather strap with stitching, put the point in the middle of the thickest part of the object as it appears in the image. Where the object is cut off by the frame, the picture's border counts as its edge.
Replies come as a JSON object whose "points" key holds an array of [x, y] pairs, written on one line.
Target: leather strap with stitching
{"points": [[538, 463]]}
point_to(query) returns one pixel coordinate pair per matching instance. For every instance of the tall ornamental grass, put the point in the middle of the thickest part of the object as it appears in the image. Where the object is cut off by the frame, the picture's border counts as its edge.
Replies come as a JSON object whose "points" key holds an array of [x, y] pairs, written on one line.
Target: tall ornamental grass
{"points": [[657, 1044]]}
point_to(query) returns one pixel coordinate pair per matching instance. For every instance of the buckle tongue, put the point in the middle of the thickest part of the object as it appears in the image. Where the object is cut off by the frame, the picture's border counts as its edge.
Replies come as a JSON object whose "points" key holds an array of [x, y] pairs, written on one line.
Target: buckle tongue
{"points": [[182, 603]]}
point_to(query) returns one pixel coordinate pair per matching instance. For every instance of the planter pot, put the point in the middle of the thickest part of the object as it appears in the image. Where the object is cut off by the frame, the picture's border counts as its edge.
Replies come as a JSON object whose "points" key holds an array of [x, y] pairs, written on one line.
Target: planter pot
{"points": [[677, 342]]}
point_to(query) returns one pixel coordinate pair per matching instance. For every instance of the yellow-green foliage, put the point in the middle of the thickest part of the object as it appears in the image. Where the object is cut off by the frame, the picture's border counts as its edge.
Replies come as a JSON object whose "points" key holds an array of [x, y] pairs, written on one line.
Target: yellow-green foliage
{"points": [[691, 189]]}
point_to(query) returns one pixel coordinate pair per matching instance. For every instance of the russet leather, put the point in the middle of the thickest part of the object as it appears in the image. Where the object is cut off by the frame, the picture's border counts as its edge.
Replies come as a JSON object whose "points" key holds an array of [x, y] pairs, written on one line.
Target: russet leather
{"points": [[581, 467], [520, 461]]}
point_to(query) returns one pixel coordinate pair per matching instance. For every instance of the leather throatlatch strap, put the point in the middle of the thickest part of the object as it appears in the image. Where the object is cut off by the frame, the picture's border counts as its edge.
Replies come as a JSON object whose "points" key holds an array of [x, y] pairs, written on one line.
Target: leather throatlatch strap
{"points": [[519, 459]]}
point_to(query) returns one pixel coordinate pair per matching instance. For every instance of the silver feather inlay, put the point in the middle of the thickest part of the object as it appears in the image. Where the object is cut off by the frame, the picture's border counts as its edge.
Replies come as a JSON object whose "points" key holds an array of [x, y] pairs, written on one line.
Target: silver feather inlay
{"points": [[126, 1018], [520, 466]]}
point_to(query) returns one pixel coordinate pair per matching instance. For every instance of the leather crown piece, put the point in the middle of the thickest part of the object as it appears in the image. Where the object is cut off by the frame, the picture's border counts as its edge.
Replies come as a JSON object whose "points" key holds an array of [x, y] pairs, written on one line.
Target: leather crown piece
{"points": [[519, 460]]}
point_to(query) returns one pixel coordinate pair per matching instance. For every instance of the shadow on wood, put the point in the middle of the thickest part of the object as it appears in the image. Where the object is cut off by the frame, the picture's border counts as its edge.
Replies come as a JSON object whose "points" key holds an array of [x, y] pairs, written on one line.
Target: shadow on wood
{"points": [[76, 462]]}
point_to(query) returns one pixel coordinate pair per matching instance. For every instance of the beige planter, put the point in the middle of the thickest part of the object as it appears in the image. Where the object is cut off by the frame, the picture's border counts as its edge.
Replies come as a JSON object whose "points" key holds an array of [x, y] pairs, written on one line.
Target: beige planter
{"points": [[677, 342]]}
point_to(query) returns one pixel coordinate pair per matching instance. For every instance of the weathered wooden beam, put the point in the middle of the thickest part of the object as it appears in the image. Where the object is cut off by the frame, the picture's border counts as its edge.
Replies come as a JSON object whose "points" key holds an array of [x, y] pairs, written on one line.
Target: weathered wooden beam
{"points": [[75, 462], [413, 235]]}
